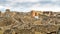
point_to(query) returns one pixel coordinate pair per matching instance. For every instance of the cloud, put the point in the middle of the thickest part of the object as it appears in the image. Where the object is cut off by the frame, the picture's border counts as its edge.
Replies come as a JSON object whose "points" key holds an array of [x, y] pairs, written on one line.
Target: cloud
{"points": [[27, 5], [45, 7], [23, 0]]}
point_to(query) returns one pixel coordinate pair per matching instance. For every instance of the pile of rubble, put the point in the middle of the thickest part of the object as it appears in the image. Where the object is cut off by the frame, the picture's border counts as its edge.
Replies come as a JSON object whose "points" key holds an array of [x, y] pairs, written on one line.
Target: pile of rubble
{"points": [[34, 22]]}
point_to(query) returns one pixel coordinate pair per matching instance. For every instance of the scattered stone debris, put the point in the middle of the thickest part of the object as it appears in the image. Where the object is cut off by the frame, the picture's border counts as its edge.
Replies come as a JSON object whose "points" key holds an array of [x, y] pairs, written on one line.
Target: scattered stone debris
{"points": [[34, 22]]}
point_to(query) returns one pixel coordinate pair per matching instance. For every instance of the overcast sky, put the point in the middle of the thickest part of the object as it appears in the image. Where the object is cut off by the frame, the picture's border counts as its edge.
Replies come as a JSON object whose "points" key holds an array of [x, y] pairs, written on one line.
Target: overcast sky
{"points": [[28, 5]]}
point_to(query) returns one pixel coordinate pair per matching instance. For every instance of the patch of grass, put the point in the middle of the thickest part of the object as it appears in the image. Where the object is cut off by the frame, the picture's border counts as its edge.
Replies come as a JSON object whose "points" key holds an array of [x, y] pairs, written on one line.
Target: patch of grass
{"points": [[1, 32]]}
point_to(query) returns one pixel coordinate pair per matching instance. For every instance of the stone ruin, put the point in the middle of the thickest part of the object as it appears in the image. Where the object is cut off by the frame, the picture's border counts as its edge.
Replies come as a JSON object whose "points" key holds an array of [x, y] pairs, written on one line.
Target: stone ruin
{"points": [[26, 23]]}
